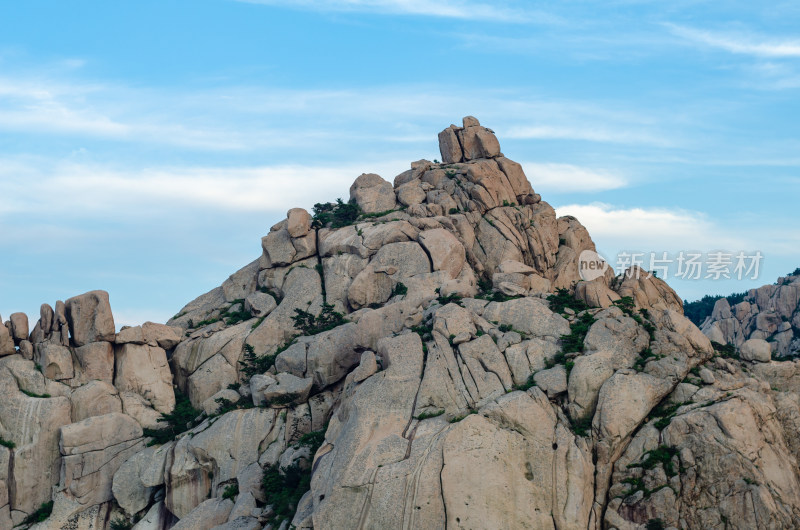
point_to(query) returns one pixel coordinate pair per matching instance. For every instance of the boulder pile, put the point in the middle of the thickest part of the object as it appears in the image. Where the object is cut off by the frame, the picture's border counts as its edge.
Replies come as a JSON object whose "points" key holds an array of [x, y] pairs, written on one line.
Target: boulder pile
{"points": [[423, 355]]}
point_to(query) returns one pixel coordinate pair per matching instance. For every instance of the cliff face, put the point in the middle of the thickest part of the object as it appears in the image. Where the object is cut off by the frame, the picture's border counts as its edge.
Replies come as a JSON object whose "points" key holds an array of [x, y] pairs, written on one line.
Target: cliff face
{"points": [[423, 356], [769, 314]]}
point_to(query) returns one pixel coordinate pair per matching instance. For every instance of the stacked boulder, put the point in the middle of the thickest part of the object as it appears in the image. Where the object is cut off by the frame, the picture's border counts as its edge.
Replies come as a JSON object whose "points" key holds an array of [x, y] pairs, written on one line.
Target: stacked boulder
{"points": [[764, 324], [76, 400], [424, 355]]}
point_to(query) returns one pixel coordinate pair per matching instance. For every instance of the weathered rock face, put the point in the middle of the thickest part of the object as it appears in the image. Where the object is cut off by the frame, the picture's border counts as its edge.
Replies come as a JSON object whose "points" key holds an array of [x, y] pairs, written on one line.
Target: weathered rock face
{"points": [[770, 313], [409, 368], [144, 370], [90, 319]]}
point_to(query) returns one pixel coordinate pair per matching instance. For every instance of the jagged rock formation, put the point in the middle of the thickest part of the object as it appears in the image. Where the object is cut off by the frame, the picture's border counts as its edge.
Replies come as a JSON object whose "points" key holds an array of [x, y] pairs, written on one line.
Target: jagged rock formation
{"points": [[766, 322], [424, 356]]}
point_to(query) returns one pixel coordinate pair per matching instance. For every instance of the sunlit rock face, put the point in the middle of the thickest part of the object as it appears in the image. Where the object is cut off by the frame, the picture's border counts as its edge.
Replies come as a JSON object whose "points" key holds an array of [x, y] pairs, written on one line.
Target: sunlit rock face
{"points": [[424, 355]]}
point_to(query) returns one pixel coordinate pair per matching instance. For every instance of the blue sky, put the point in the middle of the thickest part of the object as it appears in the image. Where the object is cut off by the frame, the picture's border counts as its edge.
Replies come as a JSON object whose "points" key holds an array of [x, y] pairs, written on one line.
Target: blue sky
{"points": [[145, 147]]}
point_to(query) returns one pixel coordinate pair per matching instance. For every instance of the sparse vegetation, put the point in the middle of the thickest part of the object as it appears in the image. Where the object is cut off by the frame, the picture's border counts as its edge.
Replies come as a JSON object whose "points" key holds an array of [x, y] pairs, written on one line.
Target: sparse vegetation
{"points": [[450, 299], [400, 289], [181, 419], [665, 412], [252, 364], [661, 455], [726, 350], [309, 324], [453, 211], [285, 399], [121, 524], [273, 294], [645, 356], [313, 440], [578, 330], [40, 514], [226, 405], [234, 317], [626, 304], [34, 394], [231, 491], [527, 385], [456, 419], [428, 415], [284, 487], [582, 426], [206, 322], [335, 215], [655, 524], [563, 299]]}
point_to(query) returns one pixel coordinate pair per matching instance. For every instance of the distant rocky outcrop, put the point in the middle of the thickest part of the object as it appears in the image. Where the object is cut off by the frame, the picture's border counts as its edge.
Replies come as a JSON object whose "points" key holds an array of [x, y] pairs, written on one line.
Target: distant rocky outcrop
{"points": [[423, 355], [767, 318]]}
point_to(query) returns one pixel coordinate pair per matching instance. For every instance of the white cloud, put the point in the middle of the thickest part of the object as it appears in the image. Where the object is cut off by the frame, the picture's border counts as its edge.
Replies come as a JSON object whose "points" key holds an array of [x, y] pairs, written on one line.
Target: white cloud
{"points": [[442, 8], [87, 189], [568, 178], [654, 229], [738, 43]]}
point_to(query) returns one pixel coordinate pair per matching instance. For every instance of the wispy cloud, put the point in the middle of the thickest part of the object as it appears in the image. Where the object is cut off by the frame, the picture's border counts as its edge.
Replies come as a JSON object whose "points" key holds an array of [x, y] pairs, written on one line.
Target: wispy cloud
{"points": [[739, 43], [87, 189], [589, 132], [250, 118], [654, 229], [572, 179], [443, 8]]}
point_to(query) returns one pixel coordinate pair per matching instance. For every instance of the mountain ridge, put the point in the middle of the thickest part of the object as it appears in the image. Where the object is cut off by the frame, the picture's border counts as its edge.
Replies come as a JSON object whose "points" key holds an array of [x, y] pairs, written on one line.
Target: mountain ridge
{"points": [[425, 355]]}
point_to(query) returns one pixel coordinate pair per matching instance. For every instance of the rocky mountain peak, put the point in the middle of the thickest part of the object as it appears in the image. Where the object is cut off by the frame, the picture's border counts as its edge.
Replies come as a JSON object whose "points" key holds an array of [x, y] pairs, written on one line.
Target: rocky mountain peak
{"points": [[423, 355]]}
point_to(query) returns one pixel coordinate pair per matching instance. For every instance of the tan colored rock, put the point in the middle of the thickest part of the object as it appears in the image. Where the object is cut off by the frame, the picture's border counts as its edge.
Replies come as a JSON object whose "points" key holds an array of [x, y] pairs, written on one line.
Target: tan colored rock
{"points": [[476, 141], [26, 349], [372, 193], [552, 381], [278, 249], [649, 292], [33, 425], [259, 304], [19, 326], [206, 516], [517, 179], [369, 287], [215, 455], [445, 251], [135, 482], [93, 449], [528, 315], [166, 337], [211, 377], [536, 475], [55, 360], [143, 369], [6, 341], [366, 368], [90, 319], [449, 146], [298, 222], [139, 409], [756, 350], [95, 361], [595, 293], [95, 398], [287, 387], [411, 193]]}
